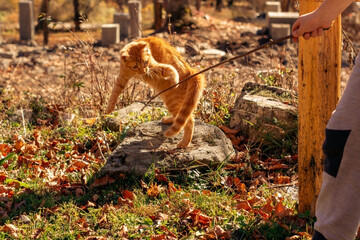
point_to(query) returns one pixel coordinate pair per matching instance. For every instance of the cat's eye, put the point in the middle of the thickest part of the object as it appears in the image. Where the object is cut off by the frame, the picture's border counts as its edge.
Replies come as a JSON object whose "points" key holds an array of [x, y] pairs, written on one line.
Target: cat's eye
{"points": [[134, 67]]}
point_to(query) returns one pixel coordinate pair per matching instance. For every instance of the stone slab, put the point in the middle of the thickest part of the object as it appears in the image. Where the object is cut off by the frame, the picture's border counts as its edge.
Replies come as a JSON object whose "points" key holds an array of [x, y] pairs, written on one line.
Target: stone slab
{"points": [[258, 109], [110, 34], [123, 19], [282, 17], [145, 147], [278, 30], [273, 6]]}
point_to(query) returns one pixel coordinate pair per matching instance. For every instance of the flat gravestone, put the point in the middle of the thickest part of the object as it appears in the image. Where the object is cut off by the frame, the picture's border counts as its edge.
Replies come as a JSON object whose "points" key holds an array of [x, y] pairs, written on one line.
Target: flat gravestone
{"points": [[146, 147]]}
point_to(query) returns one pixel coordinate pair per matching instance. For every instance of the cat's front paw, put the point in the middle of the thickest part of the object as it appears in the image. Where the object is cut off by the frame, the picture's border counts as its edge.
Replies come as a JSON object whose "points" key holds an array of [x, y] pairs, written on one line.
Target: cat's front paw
{"points": [[169, 133], [183, 144]]}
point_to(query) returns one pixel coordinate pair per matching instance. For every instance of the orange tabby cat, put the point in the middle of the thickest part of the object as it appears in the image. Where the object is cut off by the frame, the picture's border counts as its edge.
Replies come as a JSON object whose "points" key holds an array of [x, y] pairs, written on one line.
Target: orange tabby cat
{"points": [[158, 64]]}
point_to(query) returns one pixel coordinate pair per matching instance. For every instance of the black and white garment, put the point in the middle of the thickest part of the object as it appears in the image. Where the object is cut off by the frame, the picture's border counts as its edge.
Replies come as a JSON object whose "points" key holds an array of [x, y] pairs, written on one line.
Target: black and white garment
{"points": [[338, 205]]}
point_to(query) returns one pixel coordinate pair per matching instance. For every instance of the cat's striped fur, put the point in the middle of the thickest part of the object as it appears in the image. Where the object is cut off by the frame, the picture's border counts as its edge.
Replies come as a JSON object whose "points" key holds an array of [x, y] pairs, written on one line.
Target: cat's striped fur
{"points": [[160, 65]]}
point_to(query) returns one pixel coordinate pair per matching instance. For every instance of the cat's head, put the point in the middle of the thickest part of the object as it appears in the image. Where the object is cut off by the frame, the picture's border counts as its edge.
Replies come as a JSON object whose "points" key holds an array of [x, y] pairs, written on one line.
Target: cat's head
{"points": [[136, 56]]}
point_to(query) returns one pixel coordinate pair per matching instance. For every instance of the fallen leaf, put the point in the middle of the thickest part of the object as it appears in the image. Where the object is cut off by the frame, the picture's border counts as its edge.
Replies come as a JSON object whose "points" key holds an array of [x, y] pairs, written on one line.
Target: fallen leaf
{"points": [[281, 210], [121, 202], [79, 192], [128, 195], [153, 190], [37, 233], [244, 205], [79, 164], [239, 186], [101, 182], [268, 207], [278, 166], [221, 233], [229, 130], [11, 230], [281, 179], [161, 178], [90, 121], [123, 232]]}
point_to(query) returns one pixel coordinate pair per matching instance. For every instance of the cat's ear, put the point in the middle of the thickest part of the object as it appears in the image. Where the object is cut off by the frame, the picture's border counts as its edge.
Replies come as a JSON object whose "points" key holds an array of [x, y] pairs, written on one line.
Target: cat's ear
{"points": [[142, 45], [124, 55]]}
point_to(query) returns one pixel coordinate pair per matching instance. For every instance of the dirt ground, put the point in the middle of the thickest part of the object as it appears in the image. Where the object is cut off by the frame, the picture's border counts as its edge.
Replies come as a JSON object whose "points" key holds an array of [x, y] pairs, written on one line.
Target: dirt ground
{"points": [[73, 62]]}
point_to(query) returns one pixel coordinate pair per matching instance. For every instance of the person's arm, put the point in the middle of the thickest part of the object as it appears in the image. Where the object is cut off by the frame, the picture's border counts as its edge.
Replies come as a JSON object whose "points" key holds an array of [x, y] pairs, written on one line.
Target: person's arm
{"points": [[313, 24]]}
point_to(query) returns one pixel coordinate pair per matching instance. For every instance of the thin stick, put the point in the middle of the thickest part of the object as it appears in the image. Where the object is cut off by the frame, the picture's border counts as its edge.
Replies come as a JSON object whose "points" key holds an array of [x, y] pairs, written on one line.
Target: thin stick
{"points": [[219, 64]]}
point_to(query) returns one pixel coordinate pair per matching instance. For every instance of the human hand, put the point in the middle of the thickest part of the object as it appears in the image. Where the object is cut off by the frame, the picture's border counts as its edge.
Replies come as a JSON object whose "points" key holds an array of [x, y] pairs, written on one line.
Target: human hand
{"points": [[310, 25]]}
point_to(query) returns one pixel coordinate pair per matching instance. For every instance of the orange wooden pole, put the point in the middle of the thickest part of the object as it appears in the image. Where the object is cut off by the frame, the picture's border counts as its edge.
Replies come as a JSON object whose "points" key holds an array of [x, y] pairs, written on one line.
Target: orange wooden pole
{"points": [[319, 91]]}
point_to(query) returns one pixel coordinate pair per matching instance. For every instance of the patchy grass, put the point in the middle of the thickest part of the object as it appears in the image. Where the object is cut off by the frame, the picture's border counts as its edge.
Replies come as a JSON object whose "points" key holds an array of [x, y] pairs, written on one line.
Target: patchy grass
{"points": [[49, 189]]}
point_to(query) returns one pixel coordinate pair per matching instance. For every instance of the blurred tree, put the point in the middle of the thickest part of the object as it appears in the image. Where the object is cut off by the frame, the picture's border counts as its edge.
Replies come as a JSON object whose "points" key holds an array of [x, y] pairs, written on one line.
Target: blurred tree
{"points": [[77, 15], [219, 5], [43, 20], [179, 14]]}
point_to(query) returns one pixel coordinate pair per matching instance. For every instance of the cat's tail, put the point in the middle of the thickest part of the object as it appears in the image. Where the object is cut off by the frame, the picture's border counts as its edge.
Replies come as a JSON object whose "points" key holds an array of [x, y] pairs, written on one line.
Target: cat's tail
{"points": [[191, 99]]}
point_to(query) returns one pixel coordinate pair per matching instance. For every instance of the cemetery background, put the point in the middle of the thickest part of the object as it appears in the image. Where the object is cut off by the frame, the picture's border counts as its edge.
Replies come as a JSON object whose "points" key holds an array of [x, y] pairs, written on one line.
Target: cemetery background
{"points": [[61, 89]]}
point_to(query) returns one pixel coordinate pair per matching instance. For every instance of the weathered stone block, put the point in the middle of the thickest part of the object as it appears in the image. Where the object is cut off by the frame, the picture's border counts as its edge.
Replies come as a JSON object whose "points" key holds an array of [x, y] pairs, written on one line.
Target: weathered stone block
{"points": [[278, 30], [135, 18], [273, 6], [282, 17], [26, 20], [123, 19], [259, 111], [110, 34], [146, 147]]}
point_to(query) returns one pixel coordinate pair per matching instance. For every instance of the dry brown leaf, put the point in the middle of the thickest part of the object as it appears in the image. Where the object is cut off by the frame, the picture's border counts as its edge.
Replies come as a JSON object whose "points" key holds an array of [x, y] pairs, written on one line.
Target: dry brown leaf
{"points": [[281, 210], [101, 182], [161, 178], [121, 202], [79, 164], [128, 195], [278, 166], [281, 179], [36, 233], [79, 192], [154, 190], [268, 207], [11, 230], [123, 232], [244, 205]]}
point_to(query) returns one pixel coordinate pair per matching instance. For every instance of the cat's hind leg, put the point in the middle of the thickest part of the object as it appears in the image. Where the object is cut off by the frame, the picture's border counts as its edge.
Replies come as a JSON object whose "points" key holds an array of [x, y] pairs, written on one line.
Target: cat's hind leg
{"points": [[188, 134], [168, 120]]}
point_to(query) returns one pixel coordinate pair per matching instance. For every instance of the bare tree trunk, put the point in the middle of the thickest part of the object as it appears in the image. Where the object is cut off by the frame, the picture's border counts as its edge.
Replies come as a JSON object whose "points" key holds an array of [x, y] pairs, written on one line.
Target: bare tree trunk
{"points": [[198, 5], [158, 7], [219, 5], [181, 16], [77, 15], [45, 24]]}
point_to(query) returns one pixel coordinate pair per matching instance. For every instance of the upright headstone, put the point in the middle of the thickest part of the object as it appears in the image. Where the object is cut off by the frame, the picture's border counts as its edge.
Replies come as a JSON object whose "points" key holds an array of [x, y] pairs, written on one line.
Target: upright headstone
{"points": [[123, 19], [110, 34], [26, 20], [135, 18]]}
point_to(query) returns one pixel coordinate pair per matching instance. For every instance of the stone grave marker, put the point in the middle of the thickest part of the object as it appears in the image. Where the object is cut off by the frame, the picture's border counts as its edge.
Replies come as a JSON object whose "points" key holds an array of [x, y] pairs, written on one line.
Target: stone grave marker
{"points": [[135, 18], [26, 20]]}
